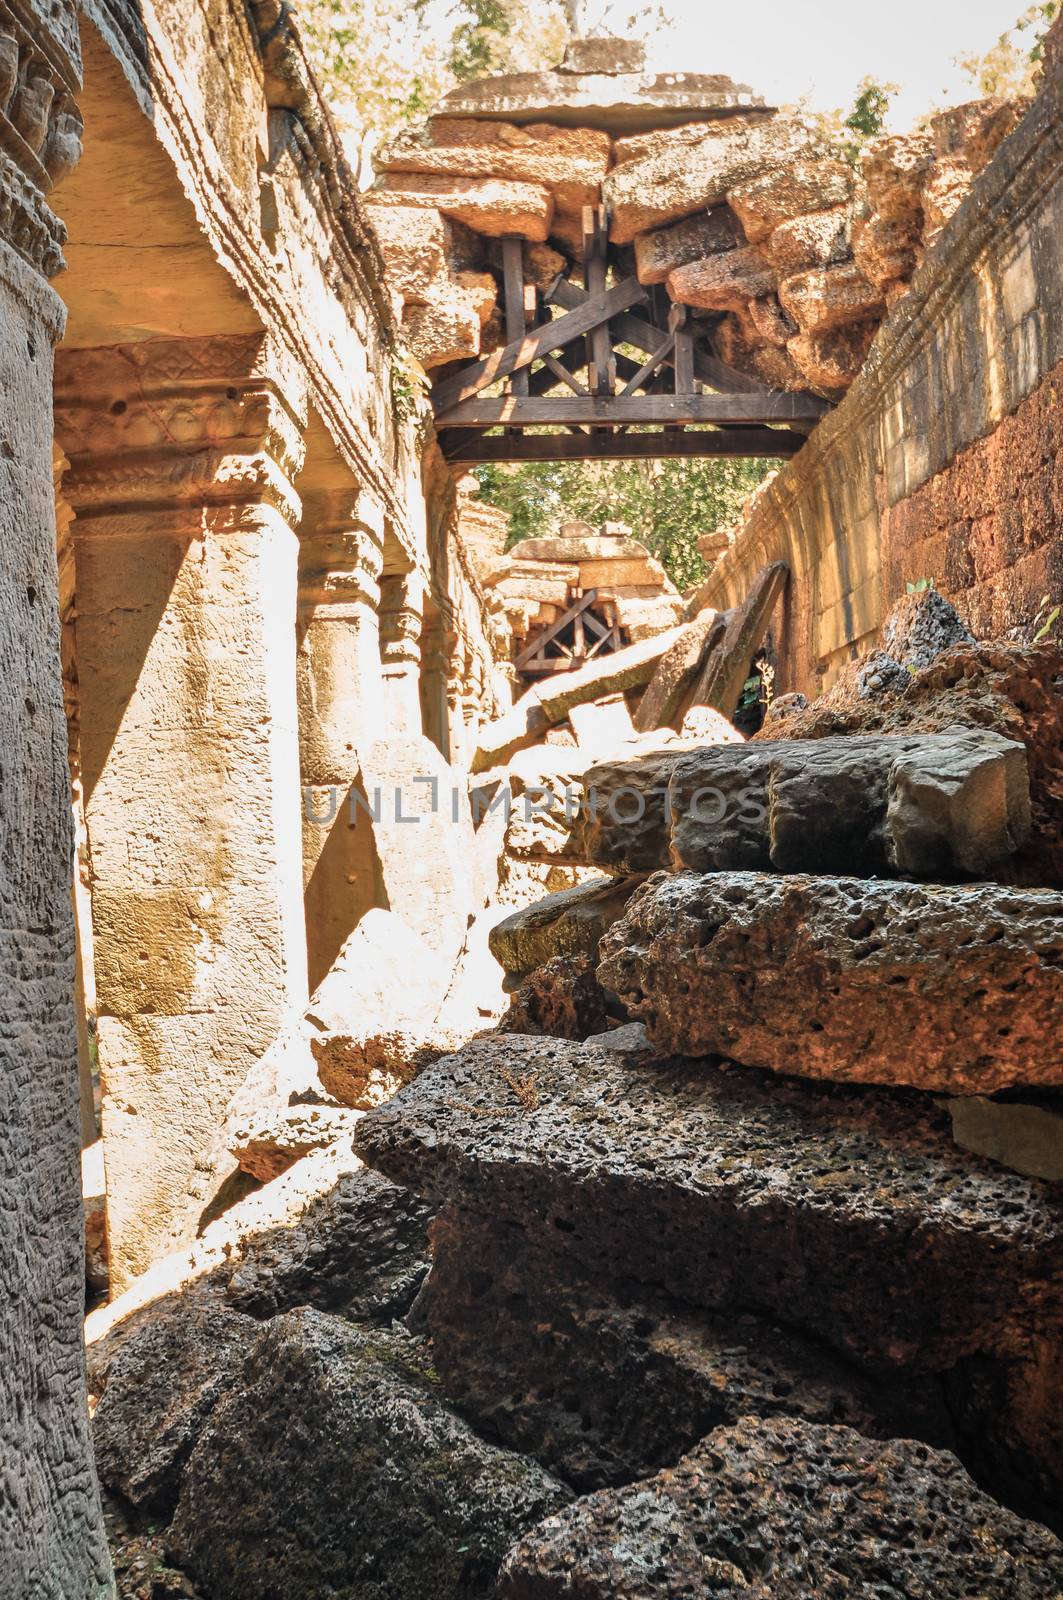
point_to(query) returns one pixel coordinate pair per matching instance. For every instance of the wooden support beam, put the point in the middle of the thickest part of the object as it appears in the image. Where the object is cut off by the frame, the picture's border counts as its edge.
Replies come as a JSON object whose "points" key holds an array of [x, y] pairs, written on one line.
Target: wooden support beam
{"points": [[549, 634], [648, 369], [509, 411], [513, 290], [520, 353], [683, 337], [563, 375], [464, 447], [646, 336]]}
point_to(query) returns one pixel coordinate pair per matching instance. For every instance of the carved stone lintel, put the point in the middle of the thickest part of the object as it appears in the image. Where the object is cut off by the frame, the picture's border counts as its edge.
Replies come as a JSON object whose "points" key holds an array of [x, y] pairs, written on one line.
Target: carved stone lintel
{"points": [[201, 422], [40, 125]]}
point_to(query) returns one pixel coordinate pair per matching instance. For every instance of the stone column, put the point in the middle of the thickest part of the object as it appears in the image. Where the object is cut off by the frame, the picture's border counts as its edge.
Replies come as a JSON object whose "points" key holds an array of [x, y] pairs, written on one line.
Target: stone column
{"points": [[51, 1535], [341, 712], [182, 457], [401, 620]]}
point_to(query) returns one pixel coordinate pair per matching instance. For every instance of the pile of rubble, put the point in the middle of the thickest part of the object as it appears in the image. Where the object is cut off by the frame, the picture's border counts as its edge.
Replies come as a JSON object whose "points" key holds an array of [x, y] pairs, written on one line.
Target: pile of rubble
{"points": [[732, 1261], [789, 250]]}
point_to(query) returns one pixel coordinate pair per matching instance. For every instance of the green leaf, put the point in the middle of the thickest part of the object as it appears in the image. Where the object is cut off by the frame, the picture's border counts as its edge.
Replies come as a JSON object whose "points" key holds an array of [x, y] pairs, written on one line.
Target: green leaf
{"points": [[1053, 618]]}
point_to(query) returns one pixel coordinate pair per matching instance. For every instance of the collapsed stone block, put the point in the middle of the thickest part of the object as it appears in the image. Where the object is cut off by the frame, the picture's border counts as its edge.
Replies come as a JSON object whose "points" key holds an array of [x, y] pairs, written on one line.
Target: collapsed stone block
{"points": [[846, 1212], [830, 297], [571, 922], [705, 234], [955, 989], [723, 282], [604, 1385], [780, 1510], [160, 1393], [541, 153], [945, 804], [790, 191], [492, 206], [334, 1462], [562, 999], [696, 167]]}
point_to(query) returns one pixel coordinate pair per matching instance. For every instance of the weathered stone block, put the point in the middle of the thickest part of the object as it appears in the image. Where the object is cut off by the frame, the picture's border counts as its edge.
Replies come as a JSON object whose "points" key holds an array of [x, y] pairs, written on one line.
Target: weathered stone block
{"points": [[828, 298], [360, 1251], [847, 1212], [781, 1510], [813, 241], [678, 671], [493, 206], [723, 282], [658, 254], [465, 147], [790, 191], [571, 922], [696, 168], [161, 1390], [956, 803], [955, 989], [334, 1463], [831, 361], [603, 1386]]}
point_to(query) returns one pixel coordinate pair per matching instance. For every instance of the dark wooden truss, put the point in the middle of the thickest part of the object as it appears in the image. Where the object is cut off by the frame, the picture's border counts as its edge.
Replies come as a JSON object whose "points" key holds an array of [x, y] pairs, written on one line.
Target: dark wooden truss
{"points": [[562, 389], [546, 651]]}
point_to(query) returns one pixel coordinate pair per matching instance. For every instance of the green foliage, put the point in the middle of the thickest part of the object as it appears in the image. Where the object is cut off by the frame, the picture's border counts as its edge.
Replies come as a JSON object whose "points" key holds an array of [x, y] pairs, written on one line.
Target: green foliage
{"points": [[868, 116], [1011, 67], [667, 504], [921, 587], [1046, 619]]}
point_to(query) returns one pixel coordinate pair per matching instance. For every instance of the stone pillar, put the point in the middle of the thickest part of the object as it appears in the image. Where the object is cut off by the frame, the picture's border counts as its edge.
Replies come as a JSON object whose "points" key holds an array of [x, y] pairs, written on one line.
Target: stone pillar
{"points": [[51, 1535], [341, 712], [401, 620], [182, 456]]}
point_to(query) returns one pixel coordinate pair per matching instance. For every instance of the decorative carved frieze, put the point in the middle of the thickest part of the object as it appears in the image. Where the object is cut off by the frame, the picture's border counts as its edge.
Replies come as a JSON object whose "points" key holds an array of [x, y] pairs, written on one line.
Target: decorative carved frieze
{"points": [[197, 421], [40, 125]]}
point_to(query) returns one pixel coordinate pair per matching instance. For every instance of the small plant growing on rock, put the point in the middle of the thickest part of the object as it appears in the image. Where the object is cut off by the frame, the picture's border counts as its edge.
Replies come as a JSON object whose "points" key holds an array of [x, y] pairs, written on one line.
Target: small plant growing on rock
{"points": [[1046, 620]]}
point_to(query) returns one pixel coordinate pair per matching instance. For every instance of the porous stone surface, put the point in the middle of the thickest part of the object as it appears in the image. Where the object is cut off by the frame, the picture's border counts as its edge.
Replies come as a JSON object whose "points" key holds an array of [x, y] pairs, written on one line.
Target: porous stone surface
{"points": [[335, 1463], [570, 922], [707, 233], [274, 1139], [922, 626], [562, 999], [847, 1212], [360, 1251], [950, 804], [947, 804], [780, 1510], [160, 1390], [696, 171], [572, 160], [604, 1383], [496, 207], [723, 282], [1012, 689], [957, 989]]}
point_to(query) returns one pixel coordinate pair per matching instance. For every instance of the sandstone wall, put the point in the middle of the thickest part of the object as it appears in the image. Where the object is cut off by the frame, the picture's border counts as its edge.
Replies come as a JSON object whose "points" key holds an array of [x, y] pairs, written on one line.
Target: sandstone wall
{"points": [[941, 461], [51, 1538]]}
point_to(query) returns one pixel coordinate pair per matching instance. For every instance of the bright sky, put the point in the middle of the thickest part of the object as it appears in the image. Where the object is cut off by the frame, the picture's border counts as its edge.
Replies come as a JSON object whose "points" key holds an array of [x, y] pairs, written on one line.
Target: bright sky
{"points": [[787, 49]]}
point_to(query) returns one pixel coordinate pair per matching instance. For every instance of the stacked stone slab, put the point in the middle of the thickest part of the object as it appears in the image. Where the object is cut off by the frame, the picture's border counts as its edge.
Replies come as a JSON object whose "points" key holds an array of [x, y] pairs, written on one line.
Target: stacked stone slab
{"points": [[626, 1211], [789, 248]]}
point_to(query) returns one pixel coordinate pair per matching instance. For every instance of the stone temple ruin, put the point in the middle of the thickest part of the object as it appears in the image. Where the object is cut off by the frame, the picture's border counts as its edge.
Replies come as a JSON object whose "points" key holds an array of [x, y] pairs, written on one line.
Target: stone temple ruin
{"points": [[518, 1132]]}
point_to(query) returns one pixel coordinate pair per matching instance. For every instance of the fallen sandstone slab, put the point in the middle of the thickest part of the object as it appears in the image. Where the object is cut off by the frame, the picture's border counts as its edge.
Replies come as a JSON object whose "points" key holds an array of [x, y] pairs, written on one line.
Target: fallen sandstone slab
{"points": [[945, 805], [784, 1510], [957, 989], [334, 1467], [848, 1213]]}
